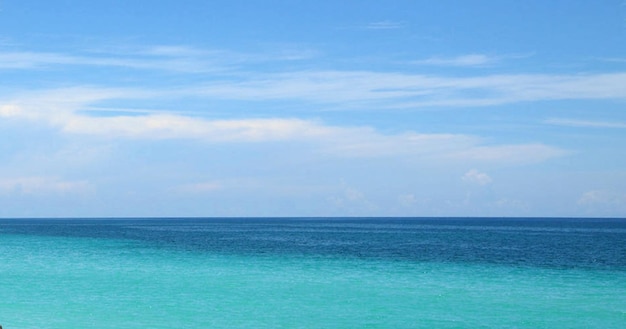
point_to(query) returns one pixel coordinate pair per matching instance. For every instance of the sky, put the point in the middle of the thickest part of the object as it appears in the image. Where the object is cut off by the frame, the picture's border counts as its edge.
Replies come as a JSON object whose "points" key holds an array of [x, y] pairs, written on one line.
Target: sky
{"points": [[112, 108]]}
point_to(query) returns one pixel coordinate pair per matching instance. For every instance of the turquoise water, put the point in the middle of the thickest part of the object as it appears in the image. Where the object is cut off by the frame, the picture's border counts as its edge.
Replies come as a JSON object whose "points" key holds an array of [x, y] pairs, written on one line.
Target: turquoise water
{"points": [[311, 274]]}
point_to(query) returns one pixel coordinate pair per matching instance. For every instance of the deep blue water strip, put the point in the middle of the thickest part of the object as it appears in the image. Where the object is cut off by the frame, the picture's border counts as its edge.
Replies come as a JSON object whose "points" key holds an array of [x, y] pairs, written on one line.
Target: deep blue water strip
{"points": [[589, 243]]}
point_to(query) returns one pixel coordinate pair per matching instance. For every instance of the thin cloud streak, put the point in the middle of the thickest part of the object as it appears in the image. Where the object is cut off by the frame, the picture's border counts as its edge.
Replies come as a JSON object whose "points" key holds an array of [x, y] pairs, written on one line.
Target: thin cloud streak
{"points": [[186, 64], [585, 123], [395, 90], [384, 25], [38, 185], [468, 60], [179, 59], [465, 60], [514, 154]]}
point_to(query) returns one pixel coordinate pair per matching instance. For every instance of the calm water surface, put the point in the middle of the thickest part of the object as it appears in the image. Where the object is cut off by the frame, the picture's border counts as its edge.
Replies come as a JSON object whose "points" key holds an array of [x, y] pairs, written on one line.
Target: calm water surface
{"points": [[313, 273]]}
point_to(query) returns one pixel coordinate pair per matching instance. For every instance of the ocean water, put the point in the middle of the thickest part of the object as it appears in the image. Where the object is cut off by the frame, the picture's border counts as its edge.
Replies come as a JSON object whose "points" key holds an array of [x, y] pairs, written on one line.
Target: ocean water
{"points": [[313, 273]]}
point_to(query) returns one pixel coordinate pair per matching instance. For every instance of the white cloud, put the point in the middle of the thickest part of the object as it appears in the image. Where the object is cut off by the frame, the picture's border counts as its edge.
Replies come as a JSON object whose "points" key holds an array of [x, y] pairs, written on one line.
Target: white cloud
{"points": [[510, 207], [410, 200], [29, 60], [407, 200], [397, 90], [62, 109], [602, 198], [468, 60], [367, 142], [603, 202], [55, 105], [165, 126], [384, 25], [475, 177], [519, 154], [10, 110], [150, 61], [41, 186], [614, 59], [180, 59], [585, 123], [158, 58], [352, 200], [464, 60], [200, 187]]}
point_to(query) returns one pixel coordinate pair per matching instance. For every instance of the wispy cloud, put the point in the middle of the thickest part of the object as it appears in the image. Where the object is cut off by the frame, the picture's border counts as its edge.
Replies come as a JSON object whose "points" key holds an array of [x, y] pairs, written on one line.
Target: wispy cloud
{"points": [[384, 25], [464, 60], [62, 109], [57, 105], [239, 78], [469, 60], [181, 59], [476, 177], [603, 201], [518, 154], [397, 90], [614, 59], [36, 60], [198, 188], [68, 109], [37, 185], [163, 126], [585, 123]]}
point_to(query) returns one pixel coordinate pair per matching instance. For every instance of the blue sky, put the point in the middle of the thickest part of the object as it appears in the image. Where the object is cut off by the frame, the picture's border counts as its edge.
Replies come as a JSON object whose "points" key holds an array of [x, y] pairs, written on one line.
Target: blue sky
{"points": [[312, 108]]}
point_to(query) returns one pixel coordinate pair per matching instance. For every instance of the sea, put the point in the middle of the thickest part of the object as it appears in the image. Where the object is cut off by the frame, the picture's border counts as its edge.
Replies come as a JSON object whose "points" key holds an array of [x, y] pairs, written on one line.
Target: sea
{"points": [[313, 273]]}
